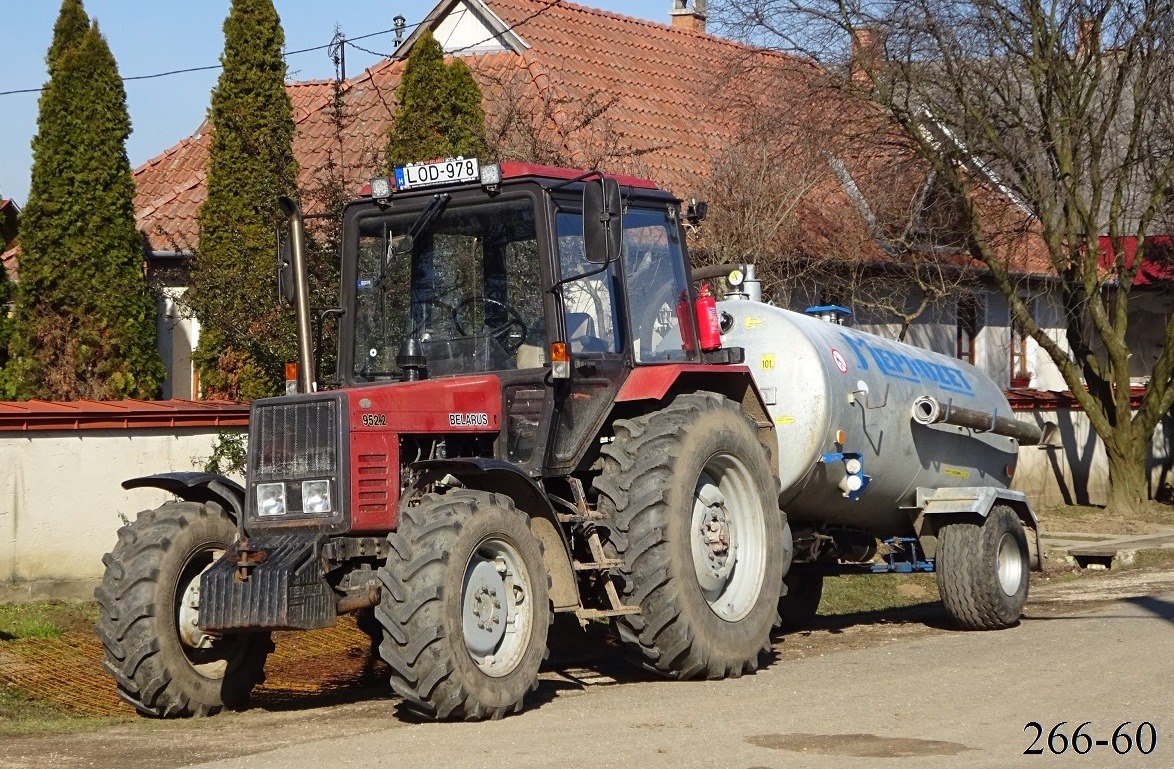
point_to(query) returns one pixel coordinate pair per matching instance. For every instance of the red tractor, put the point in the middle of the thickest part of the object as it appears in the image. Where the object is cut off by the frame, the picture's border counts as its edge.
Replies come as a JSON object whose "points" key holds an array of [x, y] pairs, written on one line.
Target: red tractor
{"points": [[529, 420]]}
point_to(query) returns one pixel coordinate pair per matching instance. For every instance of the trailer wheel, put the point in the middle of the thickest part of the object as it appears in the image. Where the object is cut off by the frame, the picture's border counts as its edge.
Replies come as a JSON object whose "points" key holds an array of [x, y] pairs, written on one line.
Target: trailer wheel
{"points": [[692, 502], [804, 592], [983, 570], [148, 607], [465, 608]]}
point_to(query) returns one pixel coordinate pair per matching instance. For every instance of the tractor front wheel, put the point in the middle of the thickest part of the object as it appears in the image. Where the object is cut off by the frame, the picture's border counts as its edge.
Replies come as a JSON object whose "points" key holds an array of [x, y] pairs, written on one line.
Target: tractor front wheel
{"points": [[148, 614], [465, 607]]}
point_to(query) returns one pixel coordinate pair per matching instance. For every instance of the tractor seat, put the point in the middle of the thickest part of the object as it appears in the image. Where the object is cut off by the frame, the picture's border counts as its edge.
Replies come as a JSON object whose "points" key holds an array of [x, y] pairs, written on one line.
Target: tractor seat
{"points": [[581, 334]]}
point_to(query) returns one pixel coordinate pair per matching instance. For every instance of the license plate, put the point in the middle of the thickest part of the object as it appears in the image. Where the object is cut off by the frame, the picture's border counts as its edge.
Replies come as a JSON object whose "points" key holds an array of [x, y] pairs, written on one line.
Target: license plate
{"points": [[442, 172]]}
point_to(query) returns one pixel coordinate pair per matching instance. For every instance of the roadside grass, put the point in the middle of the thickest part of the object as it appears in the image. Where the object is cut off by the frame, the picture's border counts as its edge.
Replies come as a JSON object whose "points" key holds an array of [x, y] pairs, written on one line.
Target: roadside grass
{"points": [[856, 593], [48, 619], [1157, 559], [21, 715], [1094, 519]]}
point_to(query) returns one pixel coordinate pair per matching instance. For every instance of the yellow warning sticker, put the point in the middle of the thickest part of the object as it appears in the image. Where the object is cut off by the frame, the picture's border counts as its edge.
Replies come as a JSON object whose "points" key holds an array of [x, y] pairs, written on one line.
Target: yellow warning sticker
{"points": [[784, 420], [767, 362], [956, 472], [752, 322]]}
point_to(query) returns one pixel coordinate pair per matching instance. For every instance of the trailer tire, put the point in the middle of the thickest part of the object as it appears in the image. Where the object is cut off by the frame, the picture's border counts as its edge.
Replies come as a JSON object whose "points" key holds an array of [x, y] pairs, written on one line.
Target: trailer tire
{"points": [[453, 562], [149, 578], [799, 606], [679, 485], [983, 570]]}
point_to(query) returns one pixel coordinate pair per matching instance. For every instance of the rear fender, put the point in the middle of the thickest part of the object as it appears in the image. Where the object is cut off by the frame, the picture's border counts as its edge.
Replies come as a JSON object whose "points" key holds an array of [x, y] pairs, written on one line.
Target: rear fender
{"points": [[203, 488], [502, 477], [941, 506], [663, 383]]}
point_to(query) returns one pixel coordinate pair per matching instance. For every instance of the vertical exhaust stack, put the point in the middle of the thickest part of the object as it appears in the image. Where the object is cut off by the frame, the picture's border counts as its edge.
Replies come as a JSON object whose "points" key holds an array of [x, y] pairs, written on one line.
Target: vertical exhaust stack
{"points": [[297, 236]]}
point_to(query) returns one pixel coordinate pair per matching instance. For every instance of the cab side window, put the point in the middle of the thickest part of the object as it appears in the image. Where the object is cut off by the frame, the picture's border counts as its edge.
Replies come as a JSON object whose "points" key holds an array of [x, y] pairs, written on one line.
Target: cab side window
{"points": [[588, 303]]}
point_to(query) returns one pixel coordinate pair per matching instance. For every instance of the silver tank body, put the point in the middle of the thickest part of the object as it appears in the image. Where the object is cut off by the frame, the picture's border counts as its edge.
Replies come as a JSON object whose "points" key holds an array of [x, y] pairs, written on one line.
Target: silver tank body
{"points": [[819, 378]]}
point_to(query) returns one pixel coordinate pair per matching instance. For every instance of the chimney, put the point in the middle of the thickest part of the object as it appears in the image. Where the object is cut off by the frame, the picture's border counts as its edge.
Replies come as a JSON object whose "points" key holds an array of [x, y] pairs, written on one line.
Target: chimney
{"points": [[1088, 37], [868, 55], [688, 14]]}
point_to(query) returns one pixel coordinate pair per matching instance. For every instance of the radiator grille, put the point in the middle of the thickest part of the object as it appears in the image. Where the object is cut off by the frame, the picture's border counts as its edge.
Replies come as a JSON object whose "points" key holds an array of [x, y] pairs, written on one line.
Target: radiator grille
{"points": [[289, 441]]}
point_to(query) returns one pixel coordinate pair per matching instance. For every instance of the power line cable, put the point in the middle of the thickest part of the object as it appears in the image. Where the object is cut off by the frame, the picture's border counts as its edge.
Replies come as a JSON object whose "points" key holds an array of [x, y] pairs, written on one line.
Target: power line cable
{"points": [[218, 66], [345, 40]]}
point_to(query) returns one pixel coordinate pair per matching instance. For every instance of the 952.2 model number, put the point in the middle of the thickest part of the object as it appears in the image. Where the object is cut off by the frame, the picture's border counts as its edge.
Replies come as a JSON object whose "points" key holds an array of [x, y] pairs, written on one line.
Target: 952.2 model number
{"points": [[1125, 738], [374, 420]]}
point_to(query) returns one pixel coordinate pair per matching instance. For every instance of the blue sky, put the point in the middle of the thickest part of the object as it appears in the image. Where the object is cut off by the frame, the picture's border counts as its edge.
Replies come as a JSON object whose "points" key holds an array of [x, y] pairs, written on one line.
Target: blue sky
{"points": [[150, 36]]}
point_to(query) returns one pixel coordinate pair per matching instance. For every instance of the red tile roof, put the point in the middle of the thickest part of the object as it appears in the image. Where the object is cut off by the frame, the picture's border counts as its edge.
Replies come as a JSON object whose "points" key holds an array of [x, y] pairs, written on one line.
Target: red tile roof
{"points": [[659, 101], [28, 416], [1026, 399]]}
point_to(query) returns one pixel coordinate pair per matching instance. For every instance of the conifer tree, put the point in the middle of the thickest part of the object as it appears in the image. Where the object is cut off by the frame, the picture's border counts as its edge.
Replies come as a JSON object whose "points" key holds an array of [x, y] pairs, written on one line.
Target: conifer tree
{"points": [[246, 339], [85, 317], [70, 27], [6, 294], [439, 111]]}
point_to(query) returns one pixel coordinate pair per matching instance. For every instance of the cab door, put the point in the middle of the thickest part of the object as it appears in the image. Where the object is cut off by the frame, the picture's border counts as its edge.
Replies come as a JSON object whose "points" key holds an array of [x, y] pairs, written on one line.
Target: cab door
{"points": [[589, 308]]}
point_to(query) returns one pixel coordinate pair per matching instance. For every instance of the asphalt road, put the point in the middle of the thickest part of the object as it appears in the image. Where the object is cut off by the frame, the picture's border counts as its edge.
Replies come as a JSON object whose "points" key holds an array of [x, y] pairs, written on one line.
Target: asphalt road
{"points": [[953, 699]]}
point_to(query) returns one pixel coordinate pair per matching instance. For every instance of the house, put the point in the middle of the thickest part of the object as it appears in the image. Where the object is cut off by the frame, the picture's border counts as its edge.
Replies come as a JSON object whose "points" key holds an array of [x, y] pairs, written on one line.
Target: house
{"points": [[569, 84]]}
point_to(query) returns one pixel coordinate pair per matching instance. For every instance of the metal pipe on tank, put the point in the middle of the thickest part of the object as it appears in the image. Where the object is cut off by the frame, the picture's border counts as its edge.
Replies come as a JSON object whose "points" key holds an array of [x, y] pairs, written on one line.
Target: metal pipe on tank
{"points": [[751, 285], [928, 410]]}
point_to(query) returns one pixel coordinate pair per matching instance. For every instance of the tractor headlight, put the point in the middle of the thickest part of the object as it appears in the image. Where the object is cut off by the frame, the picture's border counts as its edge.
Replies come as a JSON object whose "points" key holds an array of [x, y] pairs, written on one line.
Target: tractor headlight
{"points": [[316, 497], [271, 499]]}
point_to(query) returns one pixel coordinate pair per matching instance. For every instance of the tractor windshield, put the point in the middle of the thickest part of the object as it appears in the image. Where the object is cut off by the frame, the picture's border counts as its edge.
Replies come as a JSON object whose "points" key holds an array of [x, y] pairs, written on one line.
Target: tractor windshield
{"points": [[466, 287]]}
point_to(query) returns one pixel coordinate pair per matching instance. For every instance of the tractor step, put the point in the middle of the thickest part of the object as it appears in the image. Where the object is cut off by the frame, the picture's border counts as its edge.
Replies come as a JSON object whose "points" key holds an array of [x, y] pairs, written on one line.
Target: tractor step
{"points": [[605, 565], [586, 614]]}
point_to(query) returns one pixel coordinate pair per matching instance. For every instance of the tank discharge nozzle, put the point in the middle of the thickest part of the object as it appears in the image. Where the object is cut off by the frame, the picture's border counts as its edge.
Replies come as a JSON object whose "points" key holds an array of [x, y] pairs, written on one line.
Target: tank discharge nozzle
{"points": [[928, 410]]}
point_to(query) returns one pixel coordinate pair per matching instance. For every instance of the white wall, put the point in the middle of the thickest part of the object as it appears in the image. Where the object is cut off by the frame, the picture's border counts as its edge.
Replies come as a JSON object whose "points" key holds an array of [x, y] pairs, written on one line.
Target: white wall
{"points": [[1077, 472], [61, 501]]}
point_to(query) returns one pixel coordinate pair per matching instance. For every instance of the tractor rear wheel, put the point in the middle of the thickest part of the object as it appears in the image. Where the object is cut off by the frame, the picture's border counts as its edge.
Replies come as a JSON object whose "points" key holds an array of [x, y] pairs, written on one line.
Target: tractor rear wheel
{"points": [[692, 500], [465, 607], [799, 606], [983, 570], [148, 609]]}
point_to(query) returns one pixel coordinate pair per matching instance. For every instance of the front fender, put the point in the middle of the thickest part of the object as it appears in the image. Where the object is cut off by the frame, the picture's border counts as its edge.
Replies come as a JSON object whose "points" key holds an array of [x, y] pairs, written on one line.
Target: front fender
{"points": [[506, 478], [196, 487]]}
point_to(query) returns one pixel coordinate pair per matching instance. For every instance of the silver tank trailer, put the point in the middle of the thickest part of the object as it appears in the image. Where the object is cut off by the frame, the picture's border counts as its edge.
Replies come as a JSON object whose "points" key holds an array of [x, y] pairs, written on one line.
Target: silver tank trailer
{"points": [[836, 394]]}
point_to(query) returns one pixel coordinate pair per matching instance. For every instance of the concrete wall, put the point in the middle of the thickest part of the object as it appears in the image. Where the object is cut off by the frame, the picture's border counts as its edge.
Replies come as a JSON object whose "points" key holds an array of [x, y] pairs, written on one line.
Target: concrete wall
{"points": [[61, 502], [1077, 472]]}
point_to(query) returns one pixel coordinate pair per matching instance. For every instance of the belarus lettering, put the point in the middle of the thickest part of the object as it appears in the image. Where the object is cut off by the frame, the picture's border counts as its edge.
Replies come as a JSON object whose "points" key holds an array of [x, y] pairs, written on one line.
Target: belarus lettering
{"points": [[468, 420]]}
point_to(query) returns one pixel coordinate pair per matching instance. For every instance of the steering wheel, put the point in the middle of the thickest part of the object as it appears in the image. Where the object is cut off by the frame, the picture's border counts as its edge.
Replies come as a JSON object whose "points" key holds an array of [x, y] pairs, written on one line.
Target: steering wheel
{"points": [[509, 334]]}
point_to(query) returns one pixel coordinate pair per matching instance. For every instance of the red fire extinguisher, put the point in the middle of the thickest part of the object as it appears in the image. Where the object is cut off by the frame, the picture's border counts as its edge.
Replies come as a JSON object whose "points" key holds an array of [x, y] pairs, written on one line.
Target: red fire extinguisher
{"points": [[708, 326]]}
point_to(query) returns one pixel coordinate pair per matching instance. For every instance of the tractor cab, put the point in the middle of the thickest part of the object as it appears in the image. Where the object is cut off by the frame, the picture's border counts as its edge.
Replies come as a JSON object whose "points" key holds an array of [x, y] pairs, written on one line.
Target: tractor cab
{"points": [[454, 269]]}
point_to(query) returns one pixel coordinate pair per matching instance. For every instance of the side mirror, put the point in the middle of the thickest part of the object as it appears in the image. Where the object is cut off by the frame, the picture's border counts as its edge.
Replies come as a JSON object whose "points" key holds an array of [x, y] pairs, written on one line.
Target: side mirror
{"points": [[285, 281], [602, 232]]}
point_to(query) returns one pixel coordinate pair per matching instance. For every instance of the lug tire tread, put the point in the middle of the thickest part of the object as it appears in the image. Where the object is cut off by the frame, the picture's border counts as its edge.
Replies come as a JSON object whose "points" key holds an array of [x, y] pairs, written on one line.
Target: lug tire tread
{"points": [[126, 613], [423, 669], [634, 488]]}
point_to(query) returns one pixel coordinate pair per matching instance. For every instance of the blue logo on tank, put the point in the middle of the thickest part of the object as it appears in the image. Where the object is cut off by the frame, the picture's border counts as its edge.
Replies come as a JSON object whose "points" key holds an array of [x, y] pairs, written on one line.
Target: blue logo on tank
{"points": [[901, 365]]}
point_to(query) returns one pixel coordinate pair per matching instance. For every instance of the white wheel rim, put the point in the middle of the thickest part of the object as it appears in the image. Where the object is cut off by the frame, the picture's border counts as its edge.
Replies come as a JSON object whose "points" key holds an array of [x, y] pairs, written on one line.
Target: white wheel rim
{"points": [[209, 654], [728, 537], [1009, 564], [497, 609]]}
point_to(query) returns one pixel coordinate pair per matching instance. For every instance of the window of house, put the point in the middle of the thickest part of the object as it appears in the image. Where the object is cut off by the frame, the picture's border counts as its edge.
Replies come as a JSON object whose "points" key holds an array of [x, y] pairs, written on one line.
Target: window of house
{"points": [[1020, 365], [970, 318]]}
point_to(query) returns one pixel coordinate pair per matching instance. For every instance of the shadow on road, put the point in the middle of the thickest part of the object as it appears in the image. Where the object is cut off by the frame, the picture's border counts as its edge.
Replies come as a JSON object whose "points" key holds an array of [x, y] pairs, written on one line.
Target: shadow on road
{"points": [[929, 613], [1159, 607]]}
